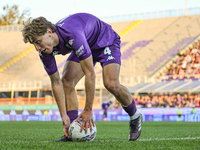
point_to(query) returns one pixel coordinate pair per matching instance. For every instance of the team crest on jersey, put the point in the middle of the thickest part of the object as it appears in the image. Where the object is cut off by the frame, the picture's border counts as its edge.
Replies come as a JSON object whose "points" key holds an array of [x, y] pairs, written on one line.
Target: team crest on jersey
{"points": [[71, 42], [40, 54], [55, 53], [68, 46]]}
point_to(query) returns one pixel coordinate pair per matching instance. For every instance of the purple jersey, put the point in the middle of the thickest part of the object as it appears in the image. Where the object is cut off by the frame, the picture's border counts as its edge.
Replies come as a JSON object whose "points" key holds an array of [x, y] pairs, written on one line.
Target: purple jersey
{"points": [[80, 34], [105, 104]]}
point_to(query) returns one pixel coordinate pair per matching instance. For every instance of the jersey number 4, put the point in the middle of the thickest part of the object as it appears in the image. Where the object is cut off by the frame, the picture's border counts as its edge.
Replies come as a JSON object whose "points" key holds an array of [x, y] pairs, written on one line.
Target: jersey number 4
{"points": [[107, 51]]}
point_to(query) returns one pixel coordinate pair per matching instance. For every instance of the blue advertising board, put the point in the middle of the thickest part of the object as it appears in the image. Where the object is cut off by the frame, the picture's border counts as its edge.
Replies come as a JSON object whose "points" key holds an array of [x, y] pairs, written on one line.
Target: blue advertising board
{"points": [[149, 114]]}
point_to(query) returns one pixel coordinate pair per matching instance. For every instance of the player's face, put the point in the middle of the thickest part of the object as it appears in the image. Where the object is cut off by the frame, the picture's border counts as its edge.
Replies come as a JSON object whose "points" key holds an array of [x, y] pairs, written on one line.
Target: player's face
{"points": [[44, 43]]}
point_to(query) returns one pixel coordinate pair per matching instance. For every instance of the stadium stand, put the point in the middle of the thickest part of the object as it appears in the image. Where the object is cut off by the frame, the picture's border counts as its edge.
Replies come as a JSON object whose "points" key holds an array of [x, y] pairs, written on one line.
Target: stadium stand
{"points": [[120, 26], [11, 46], [166, 43], [132, 42], [148, 48], [186, 66], [174, 100], [18, 57]]}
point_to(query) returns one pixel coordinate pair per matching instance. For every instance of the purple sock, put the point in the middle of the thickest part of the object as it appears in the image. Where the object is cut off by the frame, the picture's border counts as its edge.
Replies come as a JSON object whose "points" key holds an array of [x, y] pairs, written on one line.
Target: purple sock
{"points": [[73, 114], [131, 109]]}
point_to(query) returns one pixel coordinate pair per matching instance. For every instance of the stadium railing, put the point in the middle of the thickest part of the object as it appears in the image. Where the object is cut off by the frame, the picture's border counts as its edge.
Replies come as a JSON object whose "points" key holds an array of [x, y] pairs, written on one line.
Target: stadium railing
{"points": [[128, 81], [27, 101], [167, 77], [13, 89], [8, 86], [153, 15], [10, 28]]}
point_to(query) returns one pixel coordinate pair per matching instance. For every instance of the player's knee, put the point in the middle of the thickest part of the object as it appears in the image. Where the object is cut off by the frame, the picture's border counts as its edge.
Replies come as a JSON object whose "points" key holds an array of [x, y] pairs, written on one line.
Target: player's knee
{"points": [[67, 83], [112, 87]]}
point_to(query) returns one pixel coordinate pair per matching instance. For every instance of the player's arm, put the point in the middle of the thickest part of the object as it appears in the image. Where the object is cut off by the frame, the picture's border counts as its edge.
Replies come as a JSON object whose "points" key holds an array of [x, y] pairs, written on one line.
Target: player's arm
{"points": [[59, 95], [88, 69], [87, 116], [58, 92]]}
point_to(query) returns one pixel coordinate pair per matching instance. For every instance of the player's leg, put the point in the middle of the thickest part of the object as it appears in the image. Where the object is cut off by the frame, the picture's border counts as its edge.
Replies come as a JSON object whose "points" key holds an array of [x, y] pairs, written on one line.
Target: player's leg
{"points": [[111, 82], [111, 62], [105, 114], [121, 93], [72, 73]]}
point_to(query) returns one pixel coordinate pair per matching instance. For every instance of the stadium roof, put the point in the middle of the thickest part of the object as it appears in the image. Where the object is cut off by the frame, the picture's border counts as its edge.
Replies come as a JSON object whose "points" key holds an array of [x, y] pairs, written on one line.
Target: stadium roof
{"points": [[167, 86]]}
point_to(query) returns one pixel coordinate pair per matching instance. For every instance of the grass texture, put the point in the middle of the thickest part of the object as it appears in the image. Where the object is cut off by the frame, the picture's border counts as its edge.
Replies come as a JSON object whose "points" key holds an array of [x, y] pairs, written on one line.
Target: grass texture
{"points": [[27, 135]]}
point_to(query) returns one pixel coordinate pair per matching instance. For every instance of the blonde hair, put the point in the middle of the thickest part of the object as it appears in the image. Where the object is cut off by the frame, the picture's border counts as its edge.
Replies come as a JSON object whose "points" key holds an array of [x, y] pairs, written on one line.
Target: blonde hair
{"points": [[36, 27]]}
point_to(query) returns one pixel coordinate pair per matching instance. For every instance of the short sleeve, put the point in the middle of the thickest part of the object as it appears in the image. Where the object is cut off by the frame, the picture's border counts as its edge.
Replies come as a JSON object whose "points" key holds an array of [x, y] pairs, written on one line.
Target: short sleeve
{"points": [[49, 63], [80, 45]]}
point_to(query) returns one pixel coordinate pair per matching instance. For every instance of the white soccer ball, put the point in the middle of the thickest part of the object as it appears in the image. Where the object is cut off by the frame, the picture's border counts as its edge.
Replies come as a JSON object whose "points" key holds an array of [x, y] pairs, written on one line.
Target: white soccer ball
{"points": [[77, 136]]}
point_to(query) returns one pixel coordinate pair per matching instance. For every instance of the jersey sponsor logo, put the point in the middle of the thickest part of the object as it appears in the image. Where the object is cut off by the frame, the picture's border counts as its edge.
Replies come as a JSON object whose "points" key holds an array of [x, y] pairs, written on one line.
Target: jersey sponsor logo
{"points": [[71, 42], [110, 58], [80, 51]]}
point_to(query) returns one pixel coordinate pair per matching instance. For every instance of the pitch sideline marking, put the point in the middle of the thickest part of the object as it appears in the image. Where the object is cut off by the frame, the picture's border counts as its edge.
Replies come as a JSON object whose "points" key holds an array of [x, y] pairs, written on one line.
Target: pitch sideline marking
{"points": [[156, 139], [168, 139]]}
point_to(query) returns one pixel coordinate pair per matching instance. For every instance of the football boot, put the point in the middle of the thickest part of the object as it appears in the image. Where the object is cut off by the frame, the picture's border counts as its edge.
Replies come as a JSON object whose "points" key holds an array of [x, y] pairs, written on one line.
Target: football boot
{"points": [[63, 139], [135, 128]]}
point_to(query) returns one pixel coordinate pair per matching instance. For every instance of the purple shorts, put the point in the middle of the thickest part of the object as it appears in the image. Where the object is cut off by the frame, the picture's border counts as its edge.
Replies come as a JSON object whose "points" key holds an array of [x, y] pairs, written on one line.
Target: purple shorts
{"points": [[106, 55]]}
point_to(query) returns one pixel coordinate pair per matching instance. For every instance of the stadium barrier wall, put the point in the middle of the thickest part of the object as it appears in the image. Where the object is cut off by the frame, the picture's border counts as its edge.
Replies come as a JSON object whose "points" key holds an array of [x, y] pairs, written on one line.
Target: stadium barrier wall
{"points": [[152, 15], [149, 114], [128, 17]]}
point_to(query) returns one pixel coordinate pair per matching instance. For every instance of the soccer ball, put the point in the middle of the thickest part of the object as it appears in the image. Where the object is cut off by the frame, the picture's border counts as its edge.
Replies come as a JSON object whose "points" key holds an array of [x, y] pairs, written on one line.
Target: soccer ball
{"points": [[77, 136]]}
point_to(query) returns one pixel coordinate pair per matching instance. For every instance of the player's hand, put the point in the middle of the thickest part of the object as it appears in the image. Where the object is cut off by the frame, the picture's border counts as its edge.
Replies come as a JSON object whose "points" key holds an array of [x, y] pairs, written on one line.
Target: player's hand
{"points": [[66, 124], [87, 120]]}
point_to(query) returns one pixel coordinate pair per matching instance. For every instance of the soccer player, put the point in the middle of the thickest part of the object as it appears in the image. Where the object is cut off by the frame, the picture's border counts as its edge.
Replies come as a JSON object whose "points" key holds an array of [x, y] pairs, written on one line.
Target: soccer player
{"points": [[193, 110], [179, 114], [89, 40], [105, 106]]}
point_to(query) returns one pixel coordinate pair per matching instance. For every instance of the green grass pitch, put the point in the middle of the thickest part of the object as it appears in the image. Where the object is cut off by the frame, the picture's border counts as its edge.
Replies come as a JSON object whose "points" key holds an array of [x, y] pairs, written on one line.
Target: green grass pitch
{"points": [[18, 135]]}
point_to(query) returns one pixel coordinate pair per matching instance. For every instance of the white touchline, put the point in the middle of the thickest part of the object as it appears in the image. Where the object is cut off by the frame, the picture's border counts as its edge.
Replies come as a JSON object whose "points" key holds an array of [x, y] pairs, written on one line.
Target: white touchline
{"points": [[168, 139], [151, 139], [117, 140]]}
